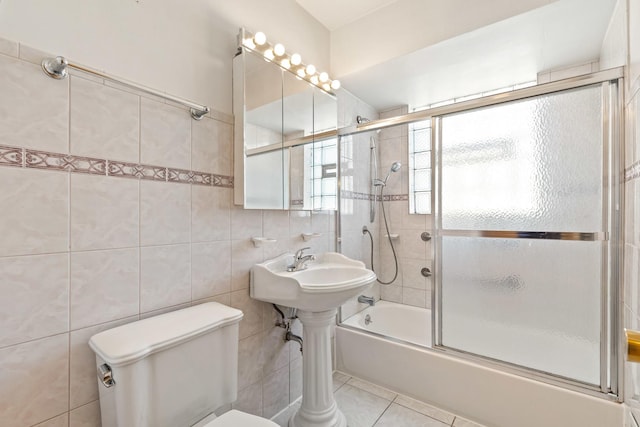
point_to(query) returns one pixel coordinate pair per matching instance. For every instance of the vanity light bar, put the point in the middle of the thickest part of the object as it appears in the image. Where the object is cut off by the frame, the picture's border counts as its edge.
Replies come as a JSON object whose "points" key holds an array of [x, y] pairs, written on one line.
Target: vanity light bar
{"points": [[292, 62]]}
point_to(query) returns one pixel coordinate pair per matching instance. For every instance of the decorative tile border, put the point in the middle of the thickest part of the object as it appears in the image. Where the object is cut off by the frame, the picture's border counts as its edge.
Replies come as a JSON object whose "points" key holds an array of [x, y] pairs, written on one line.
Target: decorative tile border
{"points": [[23, 157], [396, 198], [64, 162], [10, 156], [346, 194], [632, 172]]}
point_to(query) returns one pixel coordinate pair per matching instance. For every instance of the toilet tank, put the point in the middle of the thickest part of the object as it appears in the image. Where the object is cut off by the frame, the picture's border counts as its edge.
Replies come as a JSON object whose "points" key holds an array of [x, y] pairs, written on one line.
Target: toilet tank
{"points": [[169, 370]]}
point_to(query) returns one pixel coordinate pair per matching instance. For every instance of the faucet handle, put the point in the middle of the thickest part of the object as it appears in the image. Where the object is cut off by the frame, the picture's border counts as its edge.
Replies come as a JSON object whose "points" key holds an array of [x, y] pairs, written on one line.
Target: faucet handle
{"points": [[299, 252]]}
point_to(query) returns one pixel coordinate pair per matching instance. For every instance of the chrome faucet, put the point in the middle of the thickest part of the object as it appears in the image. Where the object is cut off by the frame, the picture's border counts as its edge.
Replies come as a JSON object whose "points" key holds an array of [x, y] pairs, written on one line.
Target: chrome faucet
{"points": [[300, 260], [367, 300]]}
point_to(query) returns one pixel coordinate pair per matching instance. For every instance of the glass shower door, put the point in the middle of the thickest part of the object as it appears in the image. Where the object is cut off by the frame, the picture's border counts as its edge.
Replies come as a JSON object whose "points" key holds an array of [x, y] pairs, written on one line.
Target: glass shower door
{"points": [[523, 220]]}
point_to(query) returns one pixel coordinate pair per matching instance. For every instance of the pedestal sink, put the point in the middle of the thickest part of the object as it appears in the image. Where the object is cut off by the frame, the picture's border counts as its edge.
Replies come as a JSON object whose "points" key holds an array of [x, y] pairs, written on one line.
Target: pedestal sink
{"points": [[316, 292]]}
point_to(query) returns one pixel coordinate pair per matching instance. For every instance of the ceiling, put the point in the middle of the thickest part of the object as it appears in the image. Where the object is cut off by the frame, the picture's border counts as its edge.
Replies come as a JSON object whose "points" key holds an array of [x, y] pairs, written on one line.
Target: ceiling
{"points": [[508, 52], [334, 14]]}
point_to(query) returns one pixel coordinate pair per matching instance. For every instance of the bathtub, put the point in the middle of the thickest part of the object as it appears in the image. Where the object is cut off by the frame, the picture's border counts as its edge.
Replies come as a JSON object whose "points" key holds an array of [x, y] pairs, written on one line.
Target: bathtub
{"points": [[396, 321], [393, 351]]}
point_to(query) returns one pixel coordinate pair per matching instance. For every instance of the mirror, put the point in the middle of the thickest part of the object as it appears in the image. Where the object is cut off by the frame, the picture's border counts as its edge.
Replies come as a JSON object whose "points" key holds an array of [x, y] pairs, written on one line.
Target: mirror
{"points": [[285, 138]]}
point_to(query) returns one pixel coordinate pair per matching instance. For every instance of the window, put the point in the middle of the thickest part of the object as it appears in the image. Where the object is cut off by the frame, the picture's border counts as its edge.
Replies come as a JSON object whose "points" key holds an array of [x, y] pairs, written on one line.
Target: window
{"points": [[420, 167]]}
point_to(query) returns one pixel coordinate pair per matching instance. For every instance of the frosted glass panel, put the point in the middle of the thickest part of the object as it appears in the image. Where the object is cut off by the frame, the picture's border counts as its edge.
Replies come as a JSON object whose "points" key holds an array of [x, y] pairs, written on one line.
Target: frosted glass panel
{"points": [[530, 165], [534, 303]]}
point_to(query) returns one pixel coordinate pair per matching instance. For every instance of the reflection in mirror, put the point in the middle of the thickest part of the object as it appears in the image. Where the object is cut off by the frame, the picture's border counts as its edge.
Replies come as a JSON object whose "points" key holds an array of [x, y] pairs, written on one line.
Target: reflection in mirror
{"points": [[285, 138], [297, 123], [325, 152], [262, 136]]}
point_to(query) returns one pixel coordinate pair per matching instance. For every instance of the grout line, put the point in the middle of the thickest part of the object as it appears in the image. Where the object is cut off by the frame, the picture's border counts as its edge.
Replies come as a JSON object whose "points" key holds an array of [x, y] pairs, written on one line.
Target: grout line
{"points": [[139, 246], [4, 347], [381, 415]]}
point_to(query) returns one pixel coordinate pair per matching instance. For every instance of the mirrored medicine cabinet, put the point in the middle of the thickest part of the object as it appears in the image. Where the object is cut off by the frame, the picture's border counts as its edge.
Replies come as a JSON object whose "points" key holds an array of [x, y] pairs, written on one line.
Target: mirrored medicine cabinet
{"points": [[285, 143]]}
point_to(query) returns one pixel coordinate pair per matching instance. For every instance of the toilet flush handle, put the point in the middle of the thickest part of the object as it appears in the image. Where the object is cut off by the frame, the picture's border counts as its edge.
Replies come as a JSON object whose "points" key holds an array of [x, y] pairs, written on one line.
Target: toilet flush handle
{"points": [[105, 376]]}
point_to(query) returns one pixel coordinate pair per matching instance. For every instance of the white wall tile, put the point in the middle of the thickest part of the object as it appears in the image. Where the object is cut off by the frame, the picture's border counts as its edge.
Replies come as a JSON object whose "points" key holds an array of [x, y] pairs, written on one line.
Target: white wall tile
{"points": [[104, 121], [35, 211], [165, 135], [86, 416], [210, 269], [33, 55], [275, 392], [104, 286], [59, 421], [35, 295], [245, 223], [211, 146], [276, 224], [210, 213], [165, 276], [34, 381], [82, 363], [243, 256], [249, 361], [251, 323], [9, 47], [250, 399], [34, 107], [275, 348], [295, 379], [165, 212], [414, 297], [104, 212]]}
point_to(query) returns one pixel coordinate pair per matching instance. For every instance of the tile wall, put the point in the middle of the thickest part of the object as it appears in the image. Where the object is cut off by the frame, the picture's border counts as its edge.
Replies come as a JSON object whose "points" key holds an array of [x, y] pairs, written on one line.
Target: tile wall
{"points": [[355, 191], [410, 287], [117, 206]]}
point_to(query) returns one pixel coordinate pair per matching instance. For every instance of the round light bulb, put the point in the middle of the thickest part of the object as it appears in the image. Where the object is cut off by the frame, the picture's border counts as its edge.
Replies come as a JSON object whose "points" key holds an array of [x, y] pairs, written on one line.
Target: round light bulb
{"points": [[285, 63], [324, 77], [268, 54], [326, 86], [296, 59], [335, 85], [278, 49], [249, 43], [300, 72], [260, 38], [311, 69], [315, 80]]}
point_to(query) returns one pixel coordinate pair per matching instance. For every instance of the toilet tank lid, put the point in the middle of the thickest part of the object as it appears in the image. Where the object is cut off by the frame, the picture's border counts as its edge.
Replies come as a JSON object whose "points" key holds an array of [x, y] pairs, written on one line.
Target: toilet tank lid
{"points": [[134, 341]]}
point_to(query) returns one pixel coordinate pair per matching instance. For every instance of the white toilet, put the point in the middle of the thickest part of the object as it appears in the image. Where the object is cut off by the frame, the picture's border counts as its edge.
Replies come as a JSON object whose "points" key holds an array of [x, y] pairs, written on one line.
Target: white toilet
{"points": [[172, 370]]}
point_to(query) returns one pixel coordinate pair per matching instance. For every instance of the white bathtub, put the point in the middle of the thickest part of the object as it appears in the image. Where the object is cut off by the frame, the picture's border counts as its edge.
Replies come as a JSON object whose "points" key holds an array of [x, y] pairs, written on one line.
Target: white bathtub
{"points": [[397, 321], [491, 397]]}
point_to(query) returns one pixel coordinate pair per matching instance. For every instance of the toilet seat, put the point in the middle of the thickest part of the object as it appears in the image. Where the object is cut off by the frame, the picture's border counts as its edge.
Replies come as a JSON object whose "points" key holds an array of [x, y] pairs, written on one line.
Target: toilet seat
{"points": [[236, 418]]}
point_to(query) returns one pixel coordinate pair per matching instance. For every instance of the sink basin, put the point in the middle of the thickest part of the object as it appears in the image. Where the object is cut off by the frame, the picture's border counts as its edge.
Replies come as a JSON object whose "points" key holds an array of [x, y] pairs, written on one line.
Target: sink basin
{"points": [[325, 284]]}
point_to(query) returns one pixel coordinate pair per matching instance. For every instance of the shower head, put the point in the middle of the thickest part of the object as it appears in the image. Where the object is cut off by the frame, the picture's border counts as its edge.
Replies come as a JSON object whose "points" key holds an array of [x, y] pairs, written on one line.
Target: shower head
{"points": [[361, 120], [395, 167]]}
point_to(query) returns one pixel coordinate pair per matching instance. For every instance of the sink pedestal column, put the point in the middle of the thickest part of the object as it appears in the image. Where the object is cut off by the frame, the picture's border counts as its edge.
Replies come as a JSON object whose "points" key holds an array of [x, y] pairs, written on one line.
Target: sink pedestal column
{"points": [[318, 408]]}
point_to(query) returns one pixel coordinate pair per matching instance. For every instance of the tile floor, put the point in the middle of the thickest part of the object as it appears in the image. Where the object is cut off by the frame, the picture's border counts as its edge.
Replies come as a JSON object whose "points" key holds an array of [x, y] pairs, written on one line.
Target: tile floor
{"points": [[368, 405]]}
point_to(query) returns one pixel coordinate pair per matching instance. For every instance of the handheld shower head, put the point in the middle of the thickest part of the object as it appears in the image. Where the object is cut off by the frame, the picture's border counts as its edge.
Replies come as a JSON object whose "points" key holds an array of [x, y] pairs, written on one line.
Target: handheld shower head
{"points": [[395, 167]]}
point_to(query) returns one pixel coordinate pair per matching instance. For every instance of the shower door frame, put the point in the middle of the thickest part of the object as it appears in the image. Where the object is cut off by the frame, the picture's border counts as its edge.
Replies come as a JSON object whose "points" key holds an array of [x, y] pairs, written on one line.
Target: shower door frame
{"points": [[614, 309], [611, 310]]}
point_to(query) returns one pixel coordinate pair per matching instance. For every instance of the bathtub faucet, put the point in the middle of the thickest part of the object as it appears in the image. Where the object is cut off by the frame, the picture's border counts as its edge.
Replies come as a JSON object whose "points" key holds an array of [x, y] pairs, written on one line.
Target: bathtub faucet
{"points": [[367, 300]]}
